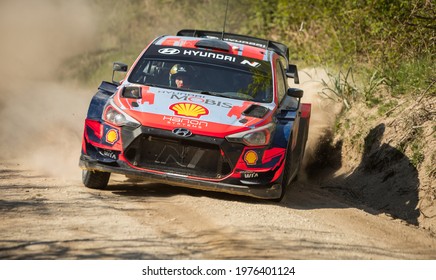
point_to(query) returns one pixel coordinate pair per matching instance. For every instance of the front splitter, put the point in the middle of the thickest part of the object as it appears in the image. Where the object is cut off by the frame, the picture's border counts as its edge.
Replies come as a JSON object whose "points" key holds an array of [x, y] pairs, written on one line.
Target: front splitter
{"points": [[264, 192]]}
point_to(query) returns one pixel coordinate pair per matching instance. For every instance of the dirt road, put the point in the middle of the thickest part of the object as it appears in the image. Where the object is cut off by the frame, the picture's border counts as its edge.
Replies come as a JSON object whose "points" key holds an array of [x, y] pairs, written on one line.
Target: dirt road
{"points": [[49, 218]]}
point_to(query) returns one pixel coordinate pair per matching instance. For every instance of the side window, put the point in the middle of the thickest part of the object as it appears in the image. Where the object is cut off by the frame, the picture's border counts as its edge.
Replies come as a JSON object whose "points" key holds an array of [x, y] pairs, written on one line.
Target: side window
{"points": [[281, 81], [149, 72]]}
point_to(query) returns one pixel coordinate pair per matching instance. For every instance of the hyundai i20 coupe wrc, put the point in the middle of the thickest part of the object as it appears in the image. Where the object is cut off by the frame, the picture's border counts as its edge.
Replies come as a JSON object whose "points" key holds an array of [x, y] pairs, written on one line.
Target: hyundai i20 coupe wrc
{"points": [[202, 109]]}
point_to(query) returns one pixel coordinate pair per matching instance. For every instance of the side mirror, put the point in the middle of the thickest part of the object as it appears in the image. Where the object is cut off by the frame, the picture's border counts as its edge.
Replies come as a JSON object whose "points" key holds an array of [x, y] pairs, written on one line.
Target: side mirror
{"points": [[295, 92], [118, 67], [292, 72]]}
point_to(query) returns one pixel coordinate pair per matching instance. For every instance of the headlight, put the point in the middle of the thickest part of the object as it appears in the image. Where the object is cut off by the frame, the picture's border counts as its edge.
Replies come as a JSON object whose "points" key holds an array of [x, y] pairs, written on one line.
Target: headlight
{"points": [[115, 116], [260, 136]]}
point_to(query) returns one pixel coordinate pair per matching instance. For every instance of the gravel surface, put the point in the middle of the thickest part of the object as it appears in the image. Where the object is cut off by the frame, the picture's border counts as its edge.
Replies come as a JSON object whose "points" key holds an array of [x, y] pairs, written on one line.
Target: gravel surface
{"points": [[50, 218]]}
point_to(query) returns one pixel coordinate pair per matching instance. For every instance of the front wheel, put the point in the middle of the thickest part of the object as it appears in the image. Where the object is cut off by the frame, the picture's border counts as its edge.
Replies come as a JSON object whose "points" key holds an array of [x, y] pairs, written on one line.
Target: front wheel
{"points": [[287, 179], [95, 179]]}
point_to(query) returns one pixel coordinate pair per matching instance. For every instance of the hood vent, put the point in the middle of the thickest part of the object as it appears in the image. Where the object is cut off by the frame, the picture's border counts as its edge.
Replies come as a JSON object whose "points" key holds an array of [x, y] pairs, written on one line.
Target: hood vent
{"points": [[256, 111]]}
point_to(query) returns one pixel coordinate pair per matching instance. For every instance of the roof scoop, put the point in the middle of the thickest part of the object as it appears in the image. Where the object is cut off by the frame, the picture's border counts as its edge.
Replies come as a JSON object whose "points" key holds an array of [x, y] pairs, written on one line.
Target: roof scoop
{"points": [[213, 44]]}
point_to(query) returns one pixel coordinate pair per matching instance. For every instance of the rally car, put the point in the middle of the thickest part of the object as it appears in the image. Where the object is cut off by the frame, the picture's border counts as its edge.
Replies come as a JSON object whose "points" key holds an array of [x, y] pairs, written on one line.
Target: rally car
{"points": [[202, 109]]}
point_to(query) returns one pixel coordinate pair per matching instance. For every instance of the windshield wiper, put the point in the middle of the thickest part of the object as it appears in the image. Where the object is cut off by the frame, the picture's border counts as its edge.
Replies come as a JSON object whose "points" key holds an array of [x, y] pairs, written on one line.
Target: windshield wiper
{"points": [[231, 95], [157, 85], [214, 94]]}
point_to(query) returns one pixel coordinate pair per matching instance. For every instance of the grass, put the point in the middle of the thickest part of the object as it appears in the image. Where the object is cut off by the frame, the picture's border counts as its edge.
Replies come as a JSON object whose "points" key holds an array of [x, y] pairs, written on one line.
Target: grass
{"points": [[412, 77], [340, 88], [417, 153], [384, 107]]}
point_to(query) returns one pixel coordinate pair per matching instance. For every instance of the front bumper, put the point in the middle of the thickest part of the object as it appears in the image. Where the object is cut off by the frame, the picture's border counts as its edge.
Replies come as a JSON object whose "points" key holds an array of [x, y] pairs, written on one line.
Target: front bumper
{"points": [[272, 191]]}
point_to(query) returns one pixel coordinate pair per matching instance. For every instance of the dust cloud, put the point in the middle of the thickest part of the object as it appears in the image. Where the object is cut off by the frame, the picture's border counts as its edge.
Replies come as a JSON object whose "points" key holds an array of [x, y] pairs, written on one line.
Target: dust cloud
{"points": [[42, 118], [324, 111]]}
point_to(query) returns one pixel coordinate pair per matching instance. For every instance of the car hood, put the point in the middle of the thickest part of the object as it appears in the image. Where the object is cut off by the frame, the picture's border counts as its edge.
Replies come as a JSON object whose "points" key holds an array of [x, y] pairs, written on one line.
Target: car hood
{"points": [[200, 113]]}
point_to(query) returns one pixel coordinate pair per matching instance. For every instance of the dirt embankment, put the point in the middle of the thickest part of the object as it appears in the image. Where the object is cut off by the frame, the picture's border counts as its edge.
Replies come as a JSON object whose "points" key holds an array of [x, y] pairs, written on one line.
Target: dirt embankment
{"points": [[391, 163], [382, 160]]}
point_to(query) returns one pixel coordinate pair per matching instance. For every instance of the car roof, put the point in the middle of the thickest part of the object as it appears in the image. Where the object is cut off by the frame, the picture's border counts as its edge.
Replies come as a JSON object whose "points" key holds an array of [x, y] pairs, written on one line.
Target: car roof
{"points": [[234, 49], [279, 48], [234, 44]]}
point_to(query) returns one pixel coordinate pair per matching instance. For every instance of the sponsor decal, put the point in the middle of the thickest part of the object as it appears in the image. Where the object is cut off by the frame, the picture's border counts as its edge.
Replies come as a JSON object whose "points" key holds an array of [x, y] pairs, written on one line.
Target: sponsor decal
{"points": [[169, 51], [238, 110], [189, 110], [148, 97], [249, 175], [108, 153], [250, 43], [250, 157], [252, 64], [200, 99], [209, 55], [111, 136], [183, 122]]}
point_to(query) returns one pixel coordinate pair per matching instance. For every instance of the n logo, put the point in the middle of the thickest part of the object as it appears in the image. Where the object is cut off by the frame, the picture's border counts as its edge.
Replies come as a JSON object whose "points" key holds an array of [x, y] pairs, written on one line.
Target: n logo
{"points": [[252, 64]]}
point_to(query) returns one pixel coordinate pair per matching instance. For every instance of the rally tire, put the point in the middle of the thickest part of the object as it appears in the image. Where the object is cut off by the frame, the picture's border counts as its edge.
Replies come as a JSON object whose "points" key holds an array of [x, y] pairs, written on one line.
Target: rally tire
{"points": [[286, 180], [303, 131], [95, 179]]}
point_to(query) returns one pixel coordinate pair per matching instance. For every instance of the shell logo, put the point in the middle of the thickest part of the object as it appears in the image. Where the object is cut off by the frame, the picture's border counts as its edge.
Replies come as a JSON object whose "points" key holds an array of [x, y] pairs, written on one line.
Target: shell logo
{"points": [[111, 136], [189, 110], [250, 158]]}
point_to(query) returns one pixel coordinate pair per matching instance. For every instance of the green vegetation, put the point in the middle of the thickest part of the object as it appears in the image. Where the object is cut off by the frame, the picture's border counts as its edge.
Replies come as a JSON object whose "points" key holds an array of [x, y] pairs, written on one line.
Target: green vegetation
{"points": [[417, 154], [415, 144], [341, 88], [386, 107], [387, 44]]}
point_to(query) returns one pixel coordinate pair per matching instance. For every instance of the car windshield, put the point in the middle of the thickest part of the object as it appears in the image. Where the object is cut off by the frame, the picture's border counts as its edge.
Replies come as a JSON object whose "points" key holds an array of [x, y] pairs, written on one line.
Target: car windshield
{"points": [[249, 83]]}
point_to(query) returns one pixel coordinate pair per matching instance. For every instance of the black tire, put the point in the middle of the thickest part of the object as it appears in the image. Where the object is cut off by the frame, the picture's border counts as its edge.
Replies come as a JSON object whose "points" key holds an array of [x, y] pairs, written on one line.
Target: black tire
{"points": [[304, 131], [95, 179], [286, 181]]}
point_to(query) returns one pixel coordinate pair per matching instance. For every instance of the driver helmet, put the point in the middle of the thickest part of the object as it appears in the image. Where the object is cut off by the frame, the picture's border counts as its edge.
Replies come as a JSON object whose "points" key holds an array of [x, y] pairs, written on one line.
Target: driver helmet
{"points": [[179, 70]]}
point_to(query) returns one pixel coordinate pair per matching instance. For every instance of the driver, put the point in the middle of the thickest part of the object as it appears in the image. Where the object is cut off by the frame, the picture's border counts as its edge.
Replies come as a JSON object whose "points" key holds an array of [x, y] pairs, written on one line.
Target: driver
{"points": [[180, 76]]}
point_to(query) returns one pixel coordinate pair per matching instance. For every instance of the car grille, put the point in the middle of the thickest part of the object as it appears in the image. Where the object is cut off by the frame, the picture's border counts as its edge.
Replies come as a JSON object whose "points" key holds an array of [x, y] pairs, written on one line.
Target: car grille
{"points": [[182, 156]]}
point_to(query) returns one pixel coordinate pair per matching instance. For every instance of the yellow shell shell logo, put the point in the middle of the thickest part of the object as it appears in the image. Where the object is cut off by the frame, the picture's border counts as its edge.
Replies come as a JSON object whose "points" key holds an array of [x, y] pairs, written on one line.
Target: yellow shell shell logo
{"points": [[111, 136], [250, 158], [189, 110]]}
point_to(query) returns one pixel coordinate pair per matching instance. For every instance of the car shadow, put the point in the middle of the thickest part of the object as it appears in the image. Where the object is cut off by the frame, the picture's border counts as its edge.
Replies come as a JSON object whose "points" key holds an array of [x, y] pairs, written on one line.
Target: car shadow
{"points": [[385, 181], [158, 190], [300, 195]]}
